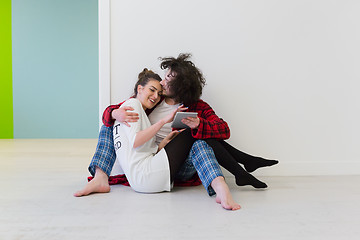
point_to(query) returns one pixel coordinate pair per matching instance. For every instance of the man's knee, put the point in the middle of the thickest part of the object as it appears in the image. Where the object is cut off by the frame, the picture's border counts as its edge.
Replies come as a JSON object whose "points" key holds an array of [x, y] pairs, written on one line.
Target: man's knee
{"points": [[198, 149], [202, 151], [200, 144]]}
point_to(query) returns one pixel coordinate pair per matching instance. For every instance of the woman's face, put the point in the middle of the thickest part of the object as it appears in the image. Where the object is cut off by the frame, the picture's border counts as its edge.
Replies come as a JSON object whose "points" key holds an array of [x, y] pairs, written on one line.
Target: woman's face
{"points": [[149, 95]]}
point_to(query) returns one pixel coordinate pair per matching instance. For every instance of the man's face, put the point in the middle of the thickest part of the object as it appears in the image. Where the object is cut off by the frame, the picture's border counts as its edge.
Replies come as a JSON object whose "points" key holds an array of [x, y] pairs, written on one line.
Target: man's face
{"points": [[169, 76]]}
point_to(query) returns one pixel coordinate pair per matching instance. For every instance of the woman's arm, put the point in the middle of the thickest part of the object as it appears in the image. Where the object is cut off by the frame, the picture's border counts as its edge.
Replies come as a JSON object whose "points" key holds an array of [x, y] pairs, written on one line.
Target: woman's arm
{"points": [[145, 135], [168, 138]]}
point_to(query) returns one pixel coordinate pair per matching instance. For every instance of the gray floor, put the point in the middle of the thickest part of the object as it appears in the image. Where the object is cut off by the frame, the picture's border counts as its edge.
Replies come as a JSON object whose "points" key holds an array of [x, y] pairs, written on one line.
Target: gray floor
{"points": [[38, 178]]}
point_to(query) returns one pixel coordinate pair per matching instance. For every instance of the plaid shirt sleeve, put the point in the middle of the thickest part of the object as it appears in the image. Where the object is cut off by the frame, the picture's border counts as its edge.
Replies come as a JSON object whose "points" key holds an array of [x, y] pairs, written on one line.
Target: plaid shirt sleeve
{"points": [[211, 126], [106, 118]]}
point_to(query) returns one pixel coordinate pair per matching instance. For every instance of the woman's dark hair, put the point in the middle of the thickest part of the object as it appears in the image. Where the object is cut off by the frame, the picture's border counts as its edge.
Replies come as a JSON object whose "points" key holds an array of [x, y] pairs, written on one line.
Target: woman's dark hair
{"points": [[187, 86], [144, 78]]}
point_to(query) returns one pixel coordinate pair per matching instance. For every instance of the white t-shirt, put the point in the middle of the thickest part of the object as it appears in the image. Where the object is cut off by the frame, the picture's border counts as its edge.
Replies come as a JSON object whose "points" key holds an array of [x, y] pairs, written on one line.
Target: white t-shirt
{"points": [[157, 114], [146, 170]]}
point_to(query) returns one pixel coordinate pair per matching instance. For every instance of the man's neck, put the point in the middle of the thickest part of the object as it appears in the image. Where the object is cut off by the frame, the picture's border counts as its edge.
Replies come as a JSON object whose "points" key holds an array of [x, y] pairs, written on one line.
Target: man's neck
{"points": [[170, 101]]}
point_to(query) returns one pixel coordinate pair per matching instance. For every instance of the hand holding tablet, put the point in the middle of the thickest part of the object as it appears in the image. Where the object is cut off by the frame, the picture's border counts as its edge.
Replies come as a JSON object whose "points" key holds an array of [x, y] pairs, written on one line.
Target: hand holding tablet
{"points": [[181, 115]]}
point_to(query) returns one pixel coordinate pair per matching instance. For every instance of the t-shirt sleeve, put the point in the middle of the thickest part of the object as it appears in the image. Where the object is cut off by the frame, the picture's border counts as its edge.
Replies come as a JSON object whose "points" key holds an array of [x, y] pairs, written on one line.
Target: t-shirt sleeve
{"points": [[135, 127]]}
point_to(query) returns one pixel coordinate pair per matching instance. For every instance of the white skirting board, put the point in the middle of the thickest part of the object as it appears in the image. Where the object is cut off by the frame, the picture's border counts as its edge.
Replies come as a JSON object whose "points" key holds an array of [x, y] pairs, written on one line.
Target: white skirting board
{"points": [[307, 168]]}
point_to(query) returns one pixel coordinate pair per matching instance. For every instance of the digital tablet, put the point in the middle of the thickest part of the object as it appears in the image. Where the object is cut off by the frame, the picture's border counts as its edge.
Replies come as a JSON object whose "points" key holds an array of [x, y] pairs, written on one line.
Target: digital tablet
{"points": [[179, 116]]}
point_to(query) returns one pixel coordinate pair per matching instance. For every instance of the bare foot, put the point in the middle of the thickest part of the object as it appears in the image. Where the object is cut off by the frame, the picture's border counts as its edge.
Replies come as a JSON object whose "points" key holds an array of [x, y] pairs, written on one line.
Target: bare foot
{"points": [[99, 184], [223, 195]]}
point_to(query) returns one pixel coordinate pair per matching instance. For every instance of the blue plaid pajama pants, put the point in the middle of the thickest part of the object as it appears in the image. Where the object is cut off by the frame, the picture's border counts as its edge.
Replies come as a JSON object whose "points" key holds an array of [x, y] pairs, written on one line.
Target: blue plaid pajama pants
{"points": [[105, 156], [201, 159]]}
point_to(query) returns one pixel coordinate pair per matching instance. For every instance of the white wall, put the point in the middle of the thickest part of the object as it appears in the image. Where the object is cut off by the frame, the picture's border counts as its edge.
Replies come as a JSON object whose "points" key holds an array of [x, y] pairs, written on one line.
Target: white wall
{"points": [[283, 74]]}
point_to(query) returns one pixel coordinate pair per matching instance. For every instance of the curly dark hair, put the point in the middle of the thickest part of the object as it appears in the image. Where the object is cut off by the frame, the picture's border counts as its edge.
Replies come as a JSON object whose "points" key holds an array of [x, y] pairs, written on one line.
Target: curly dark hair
{"points": [[144, 77], [189, 81]]}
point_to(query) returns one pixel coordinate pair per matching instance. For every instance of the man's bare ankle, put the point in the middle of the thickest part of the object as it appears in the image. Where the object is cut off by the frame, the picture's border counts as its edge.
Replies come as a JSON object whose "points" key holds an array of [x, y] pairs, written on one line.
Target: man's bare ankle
{"points": [[217, 181]]}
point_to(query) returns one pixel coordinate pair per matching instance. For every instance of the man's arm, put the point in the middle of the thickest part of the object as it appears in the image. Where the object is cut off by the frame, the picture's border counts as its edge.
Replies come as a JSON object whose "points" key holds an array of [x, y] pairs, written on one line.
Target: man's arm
{"points": [[114, 112], [107, 119], [210, 125]]}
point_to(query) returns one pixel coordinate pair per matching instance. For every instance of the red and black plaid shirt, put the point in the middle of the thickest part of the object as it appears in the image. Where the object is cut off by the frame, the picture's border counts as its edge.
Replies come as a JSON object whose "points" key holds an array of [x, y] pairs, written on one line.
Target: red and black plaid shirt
{"points": [[211, 126]]}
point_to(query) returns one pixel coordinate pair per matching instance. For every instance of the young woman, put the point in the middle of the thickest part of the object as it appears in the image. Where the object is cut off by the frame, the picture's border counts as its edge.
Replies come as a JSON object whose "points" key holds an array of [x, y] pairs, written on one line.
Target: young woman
{"points": [[147, 166]]}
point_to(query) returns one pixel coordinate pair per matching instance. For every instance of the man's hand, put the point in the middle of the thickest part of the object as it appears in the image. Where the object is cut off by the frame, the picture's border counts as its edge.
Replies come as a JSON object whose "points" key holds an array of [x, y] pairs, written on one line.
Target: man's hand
{"points": [[122, 115], [192, 122]]}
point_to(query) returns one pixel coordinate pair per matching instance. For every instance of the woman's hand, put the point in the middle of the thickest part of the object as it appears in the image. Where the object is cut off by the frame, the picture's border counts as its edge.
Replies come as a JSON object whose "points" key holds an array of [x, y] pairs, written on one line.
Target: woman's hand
{"points": [[124, 116], [170, 117], [192, 122], [168, 138], [173, 134]]}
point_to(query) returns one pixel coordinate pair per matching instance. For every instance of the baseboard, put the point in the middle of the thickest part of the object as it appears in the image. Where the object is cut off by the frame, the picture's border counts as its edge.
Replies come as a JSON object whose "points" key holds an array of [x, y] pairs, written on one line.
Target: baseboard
{"points": [[308, 169]]}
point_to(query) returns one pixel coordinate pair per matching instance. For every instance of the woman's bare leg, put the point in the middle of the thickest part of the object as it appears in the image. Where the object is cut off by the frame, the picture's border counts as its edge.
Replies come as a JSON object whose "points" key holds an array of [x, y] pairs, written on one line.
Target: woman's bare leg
{"points": [[99, 184]]}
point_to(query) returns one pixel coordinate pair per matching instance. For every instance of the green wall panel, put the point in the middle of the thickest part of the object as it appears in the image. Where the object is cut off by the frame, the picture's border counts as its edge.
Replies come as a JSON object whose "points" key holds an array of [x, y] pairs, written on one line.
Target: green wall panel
{"points": [[55, 68], [6, 98]]}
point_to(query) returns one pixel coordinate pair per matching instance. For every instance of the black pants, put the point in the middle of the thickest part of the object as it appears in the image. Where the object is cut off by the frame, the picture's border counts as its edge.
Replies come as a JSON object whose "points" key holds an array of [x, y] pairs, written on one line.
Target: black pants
{"points": [[178, 150]]}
